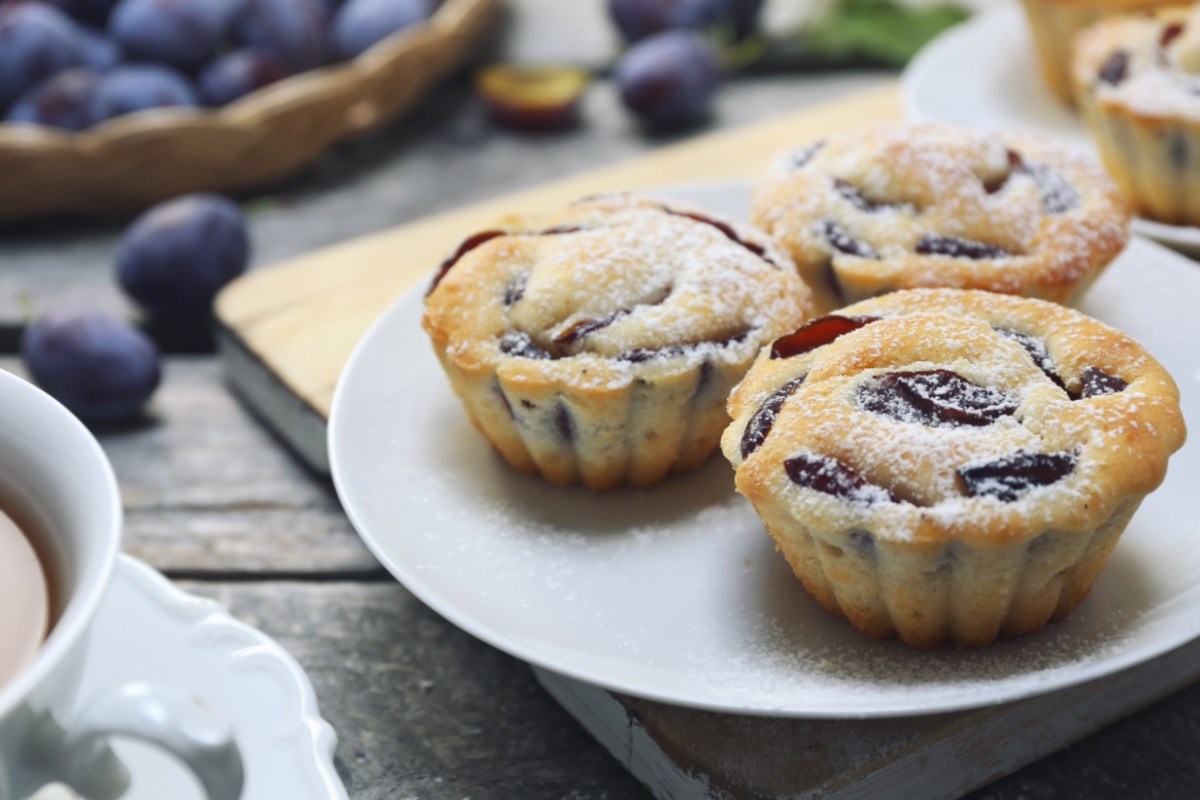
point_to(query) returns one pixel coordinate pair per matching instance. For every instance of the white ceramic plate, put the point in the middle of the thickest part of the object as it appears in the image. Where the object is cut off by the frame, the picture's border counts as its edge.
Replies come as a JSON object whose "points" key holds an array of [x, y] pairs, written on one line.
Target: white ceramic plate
{"points": [[984, 73], [676, 594], [148, 630]]}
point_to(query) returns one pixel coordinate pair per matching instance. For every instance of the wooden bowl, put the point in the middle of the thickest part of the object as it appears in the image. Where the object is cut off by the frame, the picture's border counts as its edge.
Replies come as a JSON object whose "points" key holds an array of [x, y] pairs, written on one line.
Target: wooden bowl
{"points": [[128, 163]]}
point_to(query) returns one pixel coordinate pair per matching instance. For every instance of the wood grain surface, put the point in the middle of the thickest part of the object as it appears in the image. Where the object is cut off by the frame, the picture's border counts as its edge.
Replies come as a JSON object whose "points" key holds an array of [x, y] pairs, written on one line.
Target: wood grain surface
{"points": [[209, 492], [426, 712]]}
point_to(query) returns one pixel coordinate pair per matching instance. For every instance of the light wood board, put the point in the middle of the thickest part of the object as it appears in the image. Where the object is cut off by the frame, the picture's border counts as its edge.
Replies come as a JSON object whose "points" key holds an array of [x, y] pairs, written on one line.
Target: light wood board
{"points": [[286, 331]]}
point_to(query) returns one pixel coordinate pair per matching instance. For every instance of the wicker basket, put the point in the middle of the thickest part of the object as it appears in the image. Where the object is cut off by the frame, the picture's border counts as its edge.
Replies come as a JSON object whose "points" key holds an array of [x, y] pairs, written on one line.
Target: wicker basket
{"points": [[131, 162]]}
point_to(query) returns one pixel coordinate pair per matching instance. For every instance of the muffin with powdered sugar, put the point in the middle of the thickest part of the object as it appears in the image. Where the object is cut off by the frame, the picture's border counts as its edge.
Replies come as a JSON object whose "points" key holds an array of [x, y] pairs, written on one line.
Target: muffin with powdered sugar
{"points": [[1054, 23], [598, 344], [1138, 78], [951, 466], [910, 205]]}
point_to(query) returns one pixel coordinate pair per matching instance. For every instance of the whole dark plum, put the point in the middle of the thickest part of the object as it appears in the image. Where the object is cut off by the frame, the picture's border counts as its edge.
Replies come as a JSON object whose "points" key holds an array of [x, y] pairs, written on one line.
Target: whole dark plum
{"points": [[36, 41], [101, 368], [184, 34], [359, 24], [669, 79], [637, 19], [137, 87], [98, 51], [291, 31], [94, 12], [64, 101], [176, 257], [236, 74]]}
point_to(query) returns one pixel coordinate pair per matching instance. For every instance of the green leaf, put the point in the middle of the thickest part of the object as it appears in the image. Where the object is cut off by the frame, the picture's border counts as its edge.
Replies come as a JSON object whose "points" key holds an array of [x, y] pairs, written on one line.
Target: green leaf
{"points": [[877, 29], [746, 53]]}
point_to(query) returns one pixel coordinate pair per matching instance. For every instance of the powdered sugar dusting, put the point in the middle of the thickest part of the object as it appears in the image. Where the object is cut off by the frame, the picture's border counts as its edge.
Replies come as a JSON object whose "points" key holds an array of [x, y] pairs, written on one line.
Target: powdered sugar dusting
{"points": [[847, 666], [927, 405], [671, 279], [1026, 212], [614, 285]]}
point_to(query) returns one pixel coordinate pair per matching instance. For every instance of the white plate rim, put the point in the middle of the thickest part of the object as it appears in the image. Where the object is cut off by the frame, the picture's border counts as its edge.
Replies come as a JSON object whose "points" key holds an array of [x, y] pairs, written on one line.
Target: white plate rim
{"points": [[425, 592]]}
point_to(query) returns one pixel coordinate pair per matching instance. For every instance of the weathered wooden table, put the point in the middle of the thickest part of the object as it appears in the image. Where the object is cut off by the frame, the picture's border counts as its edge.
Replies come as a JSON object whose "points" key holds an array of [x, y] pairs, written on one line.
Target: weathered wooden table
{"points": [[422, 709]]}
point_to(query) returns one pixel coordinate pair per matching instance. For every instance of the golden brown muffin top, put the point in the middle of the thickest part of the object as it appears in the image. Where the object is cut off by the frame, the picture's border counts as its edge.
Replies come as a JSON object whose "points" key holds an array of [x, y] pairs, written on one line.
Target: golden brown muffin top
{"points": [[612, 288], [928, 415], [929, 204]]}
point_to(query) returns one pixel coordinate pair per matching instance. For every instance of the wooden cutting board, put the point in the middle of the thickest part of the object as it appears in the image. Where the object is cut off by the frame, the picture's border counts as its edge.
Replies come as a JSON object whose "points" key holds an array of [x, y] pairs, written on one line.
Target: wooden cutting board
{"points": [[286, 331]]}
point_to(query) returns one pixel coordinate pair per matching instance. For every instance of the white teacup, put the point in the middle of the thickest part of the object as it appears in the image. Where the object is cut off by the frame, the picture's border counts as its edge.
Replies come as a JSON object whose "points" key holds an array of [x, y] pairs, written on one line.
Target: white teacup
{"points": [[51, 465]]}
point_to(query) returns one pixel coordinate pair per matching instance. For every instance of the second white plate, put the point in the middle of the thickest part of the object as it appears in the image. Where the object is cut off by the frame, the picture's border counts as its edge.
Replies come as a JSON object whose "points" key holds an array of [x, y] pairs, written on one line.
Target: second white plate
{"points": [[676, 594], [984, 73]]}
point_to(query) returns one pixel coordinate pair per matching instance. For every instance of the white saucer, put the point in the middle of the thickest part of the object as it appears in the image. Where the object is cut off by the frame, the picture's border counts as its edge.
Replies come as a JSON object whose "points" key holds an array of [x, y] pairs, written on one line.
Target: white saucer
{"points": [[984, 73], [148, 630]]}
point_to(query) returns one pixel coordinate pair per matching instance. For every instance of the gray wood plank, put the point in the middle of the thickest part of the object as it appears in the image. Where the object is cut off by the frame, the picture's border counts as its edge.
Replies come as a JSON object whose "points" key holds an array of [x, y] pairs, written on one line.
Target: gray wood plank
{"points": [[1150, 756], [446, 155], [207, 490], [425, 711]]}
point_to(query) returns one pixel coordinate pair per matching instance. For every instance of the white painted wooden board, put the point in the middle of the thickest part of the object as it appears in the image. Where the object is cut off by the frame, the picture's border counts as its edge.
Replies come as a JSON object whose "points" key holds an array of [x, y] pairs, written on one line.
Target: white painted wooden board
{"points": [[685, 754]]}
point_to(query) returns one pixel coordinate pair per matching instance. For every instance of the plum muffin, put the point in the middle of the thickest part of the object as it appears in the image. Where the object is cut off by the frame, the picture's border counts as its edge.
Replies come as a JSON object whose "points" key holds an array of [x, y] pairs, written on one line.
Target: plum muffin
{"points": [[951, 466], [1054, 24], [1138, 80], [599, 344], [908, 205]]}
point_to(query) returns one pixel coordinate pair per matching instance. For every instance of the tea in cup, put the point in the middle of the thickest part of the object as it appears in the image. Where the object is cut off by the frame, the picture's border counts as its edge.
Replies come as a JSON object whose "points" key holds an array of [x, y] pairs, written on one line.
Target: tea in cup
{"points": [[60, 535]]}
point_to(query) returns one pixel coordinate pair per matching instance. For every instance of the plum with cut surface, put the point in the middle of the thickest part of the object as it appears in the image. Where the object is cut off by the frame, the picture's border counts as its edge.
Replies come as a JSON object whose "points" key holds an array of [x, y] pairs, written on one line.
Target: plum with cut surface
{"points": [[1009, 477], [935, 397], [1095, 382], [817, 333], [1037, 351], [957, 247], [728, 231], [521, 345], [1115, 68], [830, 476], [763, 420], [841, 240], [532, 97]]}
